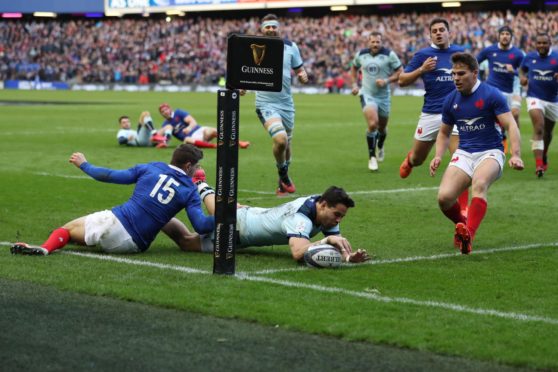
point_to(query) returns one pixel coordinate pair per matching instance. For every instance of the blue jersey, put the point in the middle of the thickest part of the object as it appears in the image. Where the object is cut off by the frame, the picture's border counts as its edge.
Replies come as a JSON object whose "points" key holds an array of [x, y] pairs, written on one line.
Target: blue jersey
{"points": [[438, 83], [161, 191], [498, 58], [540, 71], [178, 124], [283, 100], [475, 117]]}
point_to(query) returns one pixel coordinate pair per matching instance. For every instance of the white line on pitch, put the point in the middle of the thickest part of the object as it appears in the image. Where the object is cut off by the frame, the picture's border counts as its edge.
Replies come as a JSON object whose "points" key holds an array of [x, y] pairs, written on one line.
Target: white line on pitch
{"points": [[365, 295], [424, 258], [362, 192]]}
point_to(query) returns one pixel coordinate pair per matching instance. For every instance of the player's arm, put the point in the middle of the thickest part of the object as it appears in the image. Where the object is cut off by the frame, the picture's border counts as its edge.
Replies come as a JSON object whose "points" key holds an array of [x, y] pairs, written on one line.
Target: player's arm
{"points": [[201, 223], [354, 79], [191, 123], [391, 79], [124, 177], [523, 80], [508, 122], [408, 78], [442, 144]]}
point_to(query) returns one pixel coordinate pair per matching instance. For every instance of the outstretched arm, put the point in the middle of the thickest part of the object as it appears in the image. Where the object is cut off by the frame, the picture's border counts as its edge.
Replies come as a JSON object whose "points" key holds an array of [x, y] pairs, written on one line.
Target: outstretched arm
{"points": [[123, 177], [300, 245]]}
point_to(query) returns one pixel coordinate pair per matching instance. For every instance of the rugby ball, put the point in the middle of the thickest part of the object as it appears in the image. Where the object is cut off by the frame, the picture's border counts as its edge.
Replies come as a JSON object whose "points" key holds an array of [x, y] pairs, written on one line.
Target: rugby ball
{"points": [[322, 255]]}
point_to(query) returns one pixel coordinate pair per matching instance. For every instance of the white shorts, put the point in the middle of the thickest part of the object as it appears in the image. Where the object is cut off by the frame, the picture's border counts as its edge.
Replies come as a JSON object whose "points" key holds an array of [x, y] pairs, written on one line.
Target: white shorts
{"points": [[104, 230], [468, 162], [549, 109], [428, 127], [514, 101], [198, 135]]}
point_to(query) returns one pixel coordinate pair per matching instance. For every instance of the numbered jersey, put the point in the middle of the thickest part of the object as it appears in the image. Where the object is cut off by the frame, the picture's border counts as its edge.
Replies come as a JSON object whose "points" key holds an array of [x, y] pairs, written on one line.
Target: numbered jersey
{"points": [[161, 191]]}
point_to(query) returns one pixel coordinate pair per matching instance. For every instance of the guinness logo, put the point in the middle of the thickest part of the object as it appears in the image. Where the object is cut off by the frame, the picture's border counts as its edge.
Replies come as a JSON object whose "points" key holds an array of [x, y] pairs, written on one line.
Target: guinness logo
{"points": [[258, 53]]}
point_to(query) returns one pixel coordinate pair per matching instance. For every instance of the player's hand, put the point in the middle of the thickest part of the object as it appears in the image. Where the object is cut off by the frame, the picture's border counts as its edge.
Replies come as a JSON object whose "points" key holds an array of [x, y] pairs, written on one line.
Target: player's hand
{"points": [[242, 92], [556, 76], [341, 244], [381, 83], [302, 76], [355, 90], [359, 256], [516, 163], [523, 81], [429, 64], [77, 159], [509, 68], [434, 165]]}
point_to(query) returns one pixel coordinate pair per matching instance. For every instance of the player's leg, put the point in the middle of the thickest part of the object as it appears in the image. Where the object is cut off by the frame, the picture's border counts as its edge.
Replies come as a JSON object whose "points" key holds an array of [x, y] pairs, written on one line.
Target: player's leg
{"points": [[382, 135], [537, 143], [454, 181], [370, 113], [547, 139], [201, 137], [186, 240], [463, 198], [425, 137]]}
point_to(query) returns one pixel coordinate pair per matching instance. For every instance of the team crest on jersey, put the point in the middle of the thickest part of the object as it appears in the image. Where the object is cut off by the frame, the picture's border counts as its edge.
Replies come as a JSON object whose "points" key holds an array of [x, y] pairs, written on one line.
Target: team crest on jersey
{"points": [[373, 69], [511, 56], [479, 104], [455, 106], [300, 227], [494, 54], [553, 61]]}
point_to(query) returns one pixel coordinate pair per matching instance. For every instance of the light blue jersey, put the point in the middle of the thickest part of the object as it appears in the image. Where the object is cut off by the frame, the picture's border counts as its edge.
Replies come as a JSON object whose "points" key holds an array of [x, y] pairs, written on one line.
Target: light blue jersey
{"points": [[378, 66], [282, 100], [275, 226]]}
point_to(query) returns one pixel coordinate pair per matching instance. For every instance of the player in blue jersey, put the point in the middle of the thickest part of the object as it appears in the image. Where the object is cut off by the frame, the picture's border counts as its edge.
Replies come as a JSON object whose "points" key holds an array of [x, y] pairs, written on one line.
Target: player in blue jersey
{"points": [[162, 190], [276, 110], [539, 72], [182, 125], [144, 136], [293, 223], [476, 109], [379, 67], [433, 66], [504, 61]]}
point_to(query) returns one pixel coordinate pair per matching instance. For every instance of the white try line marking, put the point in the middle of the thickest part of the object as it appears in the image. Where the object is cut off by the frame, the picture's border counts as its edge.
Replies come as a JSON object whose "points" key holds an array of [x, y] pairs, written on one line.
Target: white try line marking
{"points": [[365, 295], [362, 192], [424, 258]]}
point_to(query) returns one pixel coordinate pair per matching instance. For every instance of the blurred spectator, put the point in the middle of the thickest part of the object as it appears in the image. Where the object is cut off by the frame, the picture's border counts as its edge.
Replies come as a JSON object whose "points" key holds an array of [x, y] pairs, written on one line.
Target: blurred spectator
{"points": [[193, 50]]}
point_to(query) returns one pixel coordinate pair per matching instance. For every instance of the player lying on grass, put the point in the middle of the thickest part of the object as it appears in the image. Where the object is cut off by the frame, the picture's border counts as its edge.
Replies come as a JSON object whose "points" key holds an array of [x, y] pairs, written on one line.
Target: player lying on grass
{"points": [[183, 126], [293, 223], [162, 190], [144, 136]]}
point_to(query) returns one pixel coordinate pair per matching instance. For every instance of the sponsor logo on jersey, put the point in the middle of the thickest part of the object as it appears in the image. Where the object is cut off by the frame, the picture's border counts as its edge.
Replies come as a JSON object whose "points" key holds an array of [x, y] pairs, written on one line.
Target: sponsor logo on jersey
{"points": [[447, 75], [541, 75], [470, 125], [500, 67]]}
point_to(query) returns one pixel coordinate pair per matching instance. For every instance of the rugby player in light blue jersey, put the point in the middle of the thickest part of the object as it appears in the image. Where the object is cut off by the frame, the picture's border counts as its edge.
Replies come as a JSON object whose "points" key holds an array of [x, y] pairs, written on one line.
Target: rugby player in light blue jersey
{"points": [[539, 72], [144, 136], [276, 110], [379, 67], [162, 190], [476, 109], [433, 65], [293, 223], [504, 61]]}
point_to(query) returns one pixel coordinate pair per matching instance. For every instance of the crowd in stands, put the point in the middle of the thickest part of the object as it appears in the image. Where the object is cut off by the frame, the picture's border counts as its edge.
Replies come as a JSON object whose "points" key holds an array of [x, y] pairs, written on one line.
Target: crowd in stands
{"points": [[193, 50]]}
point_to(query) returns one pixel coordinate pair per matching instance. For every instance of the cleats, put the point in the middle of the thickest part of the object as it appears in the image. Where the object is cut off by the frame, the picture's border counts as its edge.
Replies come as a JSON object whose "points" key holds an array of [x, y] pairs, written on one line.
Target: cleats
{"points": [[406, 168], [286, 187], [540, 171], [199, 176], [462, 238], [243, 144], [373, 164], [159, 141], [27, 249], [381, 154]]}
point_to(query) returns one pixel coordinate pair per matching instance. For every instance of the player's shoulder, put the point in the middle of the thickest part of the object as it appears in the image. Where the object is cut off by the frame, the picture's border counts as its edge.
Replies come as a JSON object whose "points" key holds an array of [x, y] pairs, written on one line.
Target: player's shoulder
{"points": [[288, 42], [385, 51], [454, 48], [364, 51]]}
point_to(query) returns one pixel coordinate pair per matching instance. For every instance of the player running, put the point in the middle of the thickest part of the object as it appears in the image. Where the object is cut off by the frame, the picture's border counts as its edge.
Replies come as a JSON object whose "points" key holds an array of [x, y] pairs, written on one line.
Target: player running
{"points": [[475, 108]]}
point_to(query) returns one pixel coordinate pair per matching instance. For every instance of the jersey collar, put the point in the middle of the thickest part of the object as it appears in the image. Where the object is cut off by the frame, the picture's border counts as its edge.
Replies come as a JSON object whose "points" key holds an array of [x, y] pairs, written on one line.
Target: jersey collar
{"points": [[502, 48], [177, 169], [437, 47], [476, 86]]}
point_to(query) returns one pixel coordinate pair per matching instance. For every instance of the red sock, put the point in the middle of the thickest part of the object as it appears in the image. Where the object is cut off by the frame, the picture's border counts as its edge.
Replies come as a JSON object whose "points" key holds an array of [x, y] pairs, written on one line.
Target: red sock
{"points": [[57, 239], [454, 214], [539, 162], [463, 199], [204, 144], [477, 210]]}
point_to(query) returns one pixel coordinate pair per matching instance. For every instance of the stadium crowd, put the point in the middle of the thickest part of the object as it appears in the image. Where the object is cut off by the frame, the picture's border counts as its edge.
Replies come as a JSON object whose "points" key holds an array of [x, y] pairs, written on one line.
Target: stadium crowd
{"points": [[193, 50]]}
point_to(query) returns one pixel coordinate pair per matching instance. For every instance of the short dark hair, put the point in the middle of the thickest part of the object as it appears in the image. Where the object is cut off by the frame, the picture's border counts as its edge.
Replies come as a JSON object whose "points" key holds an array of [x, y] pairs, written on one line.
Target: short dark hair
{"points": [[438, 20], [122, 118], [542, 33], [335, 195], [186, 153], [376, 33], [466, 59], [270, 17], [505, 29]]}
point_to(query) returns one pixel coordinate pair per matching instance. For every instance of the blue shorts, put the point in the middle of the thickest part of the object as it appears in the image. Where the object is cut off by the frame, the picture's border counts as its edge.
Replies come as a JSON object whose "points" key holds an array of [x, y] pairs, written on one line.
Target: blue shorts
{"points": [[382, 105], [286, 117]]}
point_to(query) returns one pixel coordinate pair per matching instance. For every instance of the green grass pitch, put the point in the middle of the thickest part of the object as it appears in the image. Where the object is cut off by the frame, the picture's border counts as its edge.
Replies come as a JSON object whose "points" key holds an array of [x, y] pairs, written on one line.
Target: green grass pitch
{"points": [[498, 305]]}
